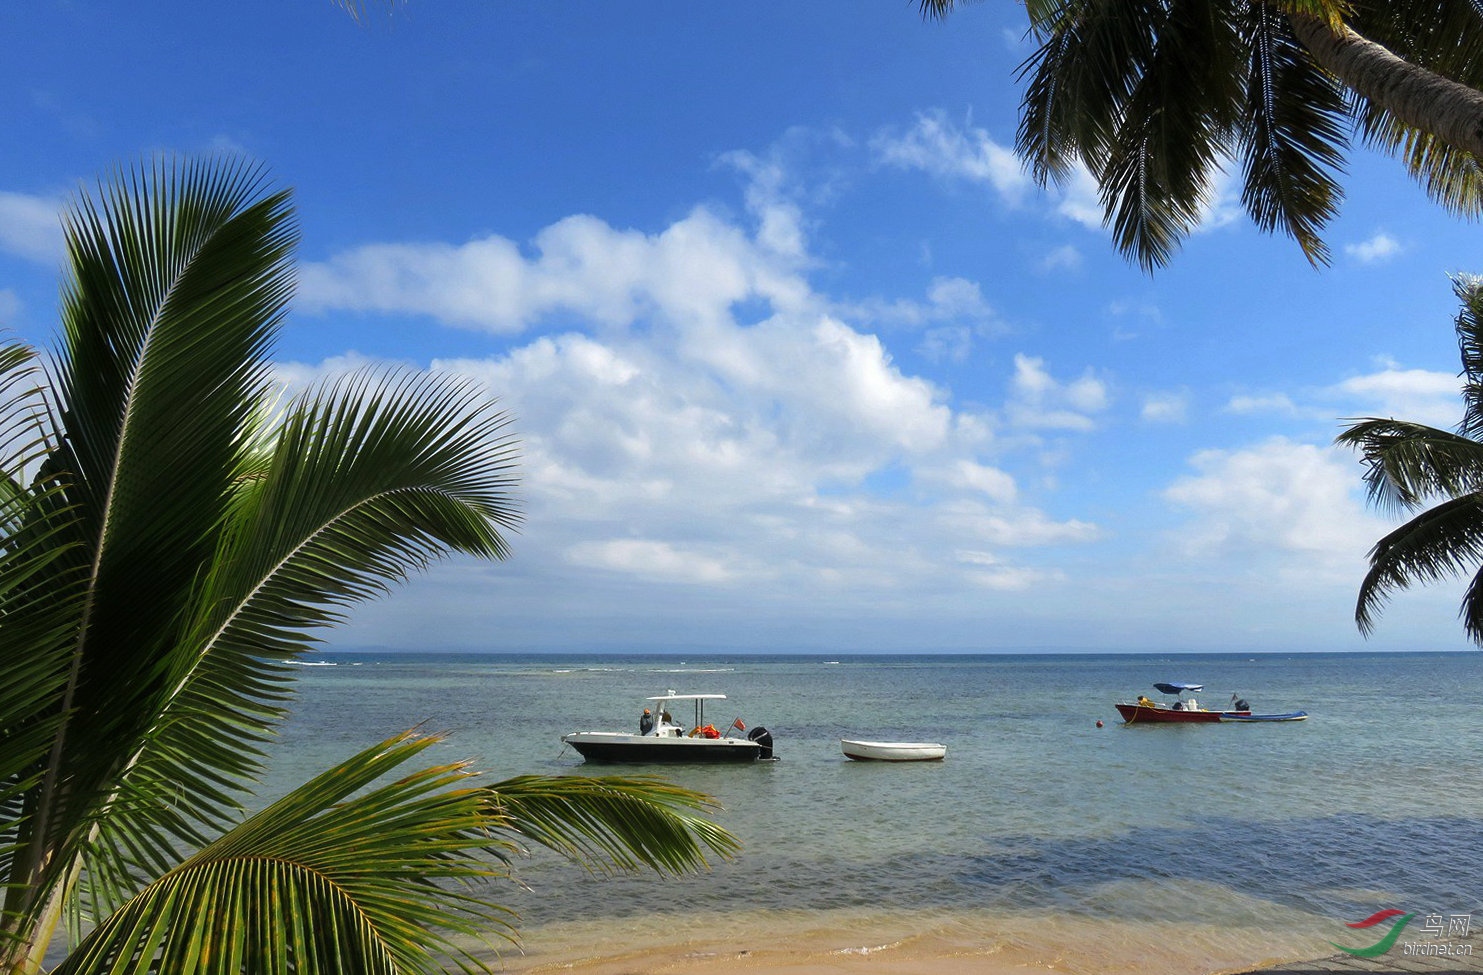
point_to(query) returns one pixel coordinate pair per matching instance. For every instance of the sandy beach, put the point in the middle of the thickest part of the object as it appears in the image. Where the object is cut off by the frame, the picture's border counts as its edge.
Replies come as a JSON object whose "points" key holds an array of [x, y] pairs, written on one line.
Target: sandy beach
{"points": [[856, 943]]}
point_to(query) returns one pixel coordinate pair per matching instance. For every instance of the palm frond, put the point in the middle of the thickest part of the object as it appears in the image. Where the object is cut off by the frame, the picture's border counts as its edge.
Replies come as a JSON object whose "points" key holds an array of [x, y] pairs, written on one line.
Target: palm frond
{"points": [[323, 880], [1440, 543], [618, 822], [1174, 129], [179, 276], [1293, 131], [1079, 81], [1471, 610], [369, 480], [1408, 464], [1469, 291]]}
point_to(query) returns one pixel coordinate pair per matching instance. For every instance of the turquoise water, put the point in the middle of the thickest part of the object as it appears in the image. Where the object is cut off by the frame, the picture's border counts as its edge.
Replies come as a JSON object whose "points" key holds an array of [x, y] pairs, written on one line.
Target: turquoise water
{"points": [[1375, 802]]}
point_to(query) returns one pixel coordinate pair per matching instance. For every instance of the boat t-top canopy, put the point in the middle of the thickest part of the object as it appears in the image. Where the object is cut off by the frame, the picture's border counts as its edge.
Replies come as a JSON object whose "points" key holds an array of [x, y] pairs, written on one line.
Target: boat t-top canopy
{"points": [[672, 696], [1176, 688]]}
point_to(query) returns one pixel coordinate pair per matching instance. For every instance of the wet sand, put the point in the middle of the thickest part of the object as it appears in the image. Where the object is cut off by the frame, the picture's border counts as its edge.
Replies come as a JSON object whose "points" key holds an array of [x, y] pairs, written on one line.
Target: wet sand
{"points": [[858, 943]]}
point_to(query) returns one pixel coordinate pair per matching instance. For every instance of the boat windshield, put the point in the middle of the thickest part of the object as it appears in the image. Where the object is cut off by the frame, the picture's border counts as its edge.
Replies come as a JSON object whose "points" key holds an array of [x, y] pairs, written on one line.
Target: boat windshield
{"points": [[663, 702]]}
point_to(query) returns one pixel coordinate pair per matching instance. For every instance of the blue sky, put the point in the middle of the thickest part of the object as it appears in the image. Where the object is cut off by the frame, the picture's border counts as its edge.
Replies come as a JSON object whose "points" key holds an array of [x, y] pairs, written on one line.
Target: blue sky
{"points": [[799, 357]]}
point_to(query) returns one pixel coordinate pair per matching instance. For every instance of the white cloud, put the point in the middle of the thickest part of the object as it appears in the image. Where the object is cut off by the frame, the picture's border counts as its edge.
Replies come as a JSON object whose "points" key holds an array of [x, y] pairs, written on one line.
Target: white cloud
{"points": [[1041, 402], [1246, 404], [1078, 199], [668, 442], [695, 269], [1381, 246], [1295, 505], [1169, 407], [31, 227], [1421, 395], [648, 559], [953, 300], [938, 146], [969, 475], [1063, 258]]}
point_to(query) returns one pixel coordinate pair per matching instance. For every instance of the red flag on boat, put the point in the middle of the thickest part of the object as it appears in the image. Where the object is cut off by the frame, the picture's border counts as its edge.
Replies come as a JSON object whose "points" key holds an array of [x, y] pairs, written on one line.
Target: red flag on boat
{"points": [[737, 724]]}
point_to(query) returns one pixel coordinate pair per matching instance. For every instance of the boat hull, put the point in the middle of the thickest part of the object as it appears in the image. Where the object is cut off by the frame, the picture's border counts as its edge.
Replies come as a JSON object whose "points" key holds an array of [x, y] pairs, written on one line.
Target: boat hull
{"points": [[893, 751], [1290, 716], [1144, 714], [611, 747]]}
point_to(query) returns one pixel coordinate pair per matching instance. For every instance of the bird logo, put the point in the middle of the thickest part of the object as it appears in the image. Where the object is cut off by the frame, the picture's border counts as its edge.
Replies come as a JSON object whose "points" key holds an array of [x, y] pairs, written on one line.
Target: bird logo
{"points": [[1384, 944]]}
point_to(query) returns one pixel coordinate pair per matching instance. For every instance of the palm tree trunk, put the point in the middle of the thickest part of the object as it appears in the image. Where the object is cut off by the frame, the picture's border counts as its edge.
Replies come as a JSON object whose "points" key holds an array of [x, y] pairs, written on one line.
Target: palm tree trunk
{"points": [[1420, 98], [24, 955]]}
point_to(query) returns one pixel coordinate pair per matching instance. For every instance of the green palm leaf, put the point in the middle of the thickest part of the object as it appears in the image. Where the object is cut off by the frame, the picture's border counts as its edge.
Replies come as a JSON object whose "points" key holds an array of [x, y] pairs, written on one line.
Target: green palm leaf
{"points": [[324, 880], [1469, 291], [333, 878], [1409, 463], [179, 279], [623, 822], [1153, 95], [1294, 135], [1441, 542]]}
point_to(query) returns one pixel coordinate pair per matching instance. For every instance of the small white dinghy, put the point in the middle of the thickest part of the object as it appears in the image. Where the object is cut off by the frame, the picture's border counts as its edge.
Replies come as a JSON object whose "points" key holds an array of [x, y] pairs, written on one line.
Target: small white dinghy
{"points": [[893, 751]]}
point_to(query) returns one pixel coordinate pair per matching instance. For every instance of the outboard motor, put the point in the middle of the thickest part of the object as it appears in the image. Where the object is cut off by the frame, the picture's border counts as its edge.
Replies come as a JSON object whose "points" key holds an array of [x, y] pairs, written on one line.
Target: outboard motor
{"points": [[762, 737]]}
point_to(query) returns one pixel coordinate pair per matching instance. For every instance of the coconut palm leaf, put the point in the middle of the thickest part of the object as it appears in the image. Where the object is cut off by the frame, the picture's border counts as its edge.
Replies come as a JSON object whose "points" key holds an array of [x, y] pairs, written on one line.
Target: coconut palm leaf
{"points": [[1469, 322], [179, 278], [370, 479], [324, 880], [1293, 132], [619, 822], [1409, 463], [1441, 542], [1153, 95], [320, 880]]}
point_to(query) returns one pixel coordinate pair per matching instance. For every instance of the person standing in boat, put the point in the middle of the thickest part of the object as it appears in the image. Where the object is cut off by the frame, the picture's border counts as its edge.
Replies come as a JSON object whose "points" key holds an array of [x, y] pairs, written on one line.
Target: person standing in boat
{"points": [[646, 722]]}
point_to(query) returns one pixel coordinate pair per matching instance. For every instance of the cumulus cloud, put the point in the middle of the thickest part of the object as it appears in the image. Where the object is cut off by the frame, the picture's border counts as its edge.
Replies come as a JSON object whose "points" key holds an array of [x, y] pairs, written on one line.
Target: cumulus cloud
{"points": [[650, 559], [666, 439], [1039, 401], [1063, 258], [954, 301], [1377, 248], [1168, 407], [1249, 404], [695, 269], [1422, 395], [1295, 505], [943, 148]]}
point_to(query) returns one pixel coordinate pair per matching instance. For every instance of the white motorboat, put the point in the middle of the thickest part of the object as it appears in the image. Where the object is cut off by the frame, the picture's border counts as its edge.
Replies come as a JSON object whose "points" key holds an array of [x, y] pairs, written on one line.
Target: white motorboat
{"points": [[893, 751], [661, 738]]}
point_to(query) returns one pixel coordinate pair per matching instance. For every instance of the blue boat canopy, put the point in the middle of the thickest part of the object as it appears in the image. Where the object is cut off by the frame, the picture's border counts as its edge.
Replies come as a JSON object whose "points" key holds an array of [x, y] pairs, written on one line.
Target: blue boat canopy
{"points": [[1176, 688]]}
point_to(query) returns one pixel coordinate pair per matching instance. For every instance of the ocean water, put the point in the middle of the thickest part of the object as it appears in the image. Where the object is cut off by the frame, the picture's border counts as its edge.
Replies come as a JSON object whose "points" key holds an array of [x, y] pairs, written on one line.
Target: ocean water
{"points": [[1260, 831]]}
